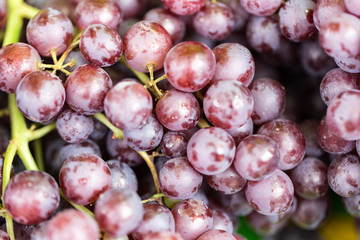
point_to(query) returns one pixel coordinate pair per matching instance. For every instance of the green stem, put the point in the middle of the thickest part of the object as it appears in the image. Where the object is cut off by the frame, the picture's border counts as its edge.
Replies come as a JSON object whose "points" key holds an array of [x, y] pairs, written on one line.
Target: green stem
{"points": [[26, 156], [27, 11], [117, 132], [152, 168], [14, 22], [41, 132], [76, 206], [144, 78], [9, 226], [9, 157], [39, 157]]}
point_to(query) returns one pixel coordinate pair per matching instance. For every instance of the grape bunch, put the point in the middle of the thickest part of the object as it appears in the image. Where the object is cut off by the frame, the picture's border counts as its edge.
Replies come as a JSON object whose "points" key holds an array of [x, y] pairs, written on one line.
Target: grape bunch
{"points": [[163, 120]]}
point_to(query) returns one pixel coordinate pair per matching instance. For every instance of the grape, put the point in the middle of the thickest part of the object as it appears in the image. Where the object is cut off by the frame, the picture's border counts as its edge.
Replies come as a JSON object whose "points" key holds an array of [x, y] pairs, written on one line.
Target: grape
{"points": [[147, 137], [39, 232], [211, 150], [352, 205], [178, 179], [309, 128], [118, 211], [86, 89], [146, 43], [156, 218], [99, 132], [325, 9], [330, 142], [40, 96], [344, 175], [242, 132], [4, 235], [240, 14], [290, 140], [184, 7], [269, 100], [238, 237], [50, 30], [178, 111], [172, 23], [74, 127], [261, 7], [227, 182], [173, 144], [222, 221], [87, 146], [189, 66], [84, 177], [89, 12], [214, 21], [353, 7], [192, 211], [228, 104], [342, 115], [340, 36], [233, 62], [72, 224], [236, 203], [3, 13], [350, 65], [31, 197], [122, 175], [164, 235], [136, 105], [256, 157], [215, 234], [263, 225], [336, 81], [296, 20], [16, 61], [101, 45], [272, 195], [130, 8]]}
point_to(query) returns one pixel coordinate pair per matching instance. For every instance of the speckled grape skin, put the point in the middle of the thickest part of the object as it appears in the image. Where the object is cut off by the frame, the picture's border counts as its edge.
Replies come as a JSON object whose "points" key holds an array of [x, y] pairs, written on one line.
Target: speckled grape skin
{"points": [[130, 8], [214, 21], [172, 23], [50, 29], [164, 235], [40, 96], [156, 218], [189, 66], [228, 104], [87, 146], [350, 65], [340, 36], [336, 81], [242, 132], [122, 175], [16, 61], [352, 205], [215, 234], [84, 177], [72, 224], [178, 179], [211, 150], [269, 99], [330, 142], [31, 197], [256, 157], [101, 45], [222, 220], [226, 182], [128, 105], [184, 7], [74, 127], [325, 9], [290, 140], [272, 195], [118, 211], [105, 12], [86, 89], [233, 62], [178, 111], [310, 178], [146, 43], [192, 218], [344, 175], [173, 144], [343, 116], [261, 7], [296, 20]]}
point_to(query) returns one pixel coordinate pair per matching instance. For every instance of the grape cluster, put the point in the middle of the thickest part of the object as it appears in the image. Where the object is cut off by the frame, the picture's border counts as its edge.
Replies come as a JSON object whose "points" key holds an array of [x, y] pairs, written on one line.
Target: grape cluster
{"points": [[177, 120]]}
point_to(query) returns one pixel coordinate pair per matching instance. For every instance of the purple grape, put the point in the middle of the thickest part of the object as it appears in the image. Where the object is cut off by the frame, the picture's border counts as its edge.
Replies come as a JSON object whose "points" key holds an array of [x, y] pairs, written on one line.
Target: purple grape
{"points": [[236, 204], [192, 211], [233, 62], [214, 234], [222, 220], [272, 195], [147, 137], [101, 45], [31, 197], [178, 179], [264, 225], [100, 131], [211, 150], [240, 14], [350, 65], [50, 30], [242, 132], [189, 66], [86, 89], [146, 43], [178, 111], [4, 235], [87, 146], [353, 7], [228, 104], [130, 8], [89, 12], [122, 175], [156, 218], [227, 182], [184, 7], [352, 205], [84, 177], [344, 175], [164, 235], [16, 61], [40, 96], [325, 9], [173, 144], [118, 211], [261, 7]]}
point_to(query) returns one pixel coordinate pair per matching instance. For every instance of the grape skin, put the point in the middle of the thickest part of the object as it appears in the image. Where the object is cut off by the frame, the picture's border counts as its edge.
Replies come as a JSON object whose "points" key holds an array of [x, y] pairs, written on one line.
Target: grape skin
{"points": [[184, 7], [350, 65], [325, 9], [227, 182], [122, 175], [164, 235], [261, 7], [215, 234], [173, 144]]}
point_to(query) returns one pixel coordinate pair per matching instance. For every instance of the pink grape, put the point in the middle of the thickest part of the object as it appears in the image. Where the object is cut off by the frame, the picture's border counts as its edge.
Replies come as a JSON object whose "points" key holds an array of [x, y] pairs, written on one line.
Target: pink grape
{"points": [[130, 8], [227, 182], [261, 7], [173, 144], [122, 175], [350, 65], [214, 234], [163, 235], [326, 9], [184, 7], [222, 220]]}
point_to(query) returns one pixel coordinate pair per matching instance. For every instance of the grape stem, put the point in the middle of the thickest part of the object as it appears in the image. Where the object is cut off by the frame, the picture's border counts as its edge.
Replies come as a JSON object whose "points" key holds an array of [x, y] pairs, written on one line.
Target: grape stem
{"points": [[76, 206], [38, 152], [203, 123], [163, 77], [117, 132], [150, 162], [151, 83], [155, 197], [27, 11]]}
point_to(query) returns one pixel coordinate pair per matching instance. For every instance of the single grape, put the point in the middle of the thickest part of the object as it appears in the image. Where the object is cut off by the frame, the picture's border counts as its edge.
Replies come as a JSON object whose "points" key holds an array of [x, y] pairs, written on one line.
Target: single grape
{"points": [[4, 235], [184, 7], [352, 205], [240, 14], [122, 175], [87, 146], [214, 234], [222, 220], [227, 182], [326, 9], [164, 235], [173, 144], [264, 225], [100, 131], [261, 7], [242, 132], [130, 8], [350, 65]]}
